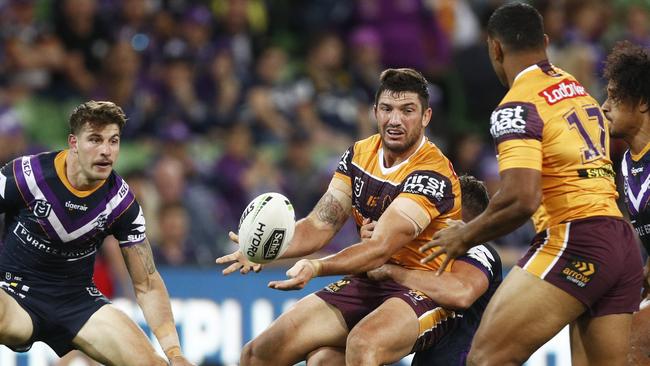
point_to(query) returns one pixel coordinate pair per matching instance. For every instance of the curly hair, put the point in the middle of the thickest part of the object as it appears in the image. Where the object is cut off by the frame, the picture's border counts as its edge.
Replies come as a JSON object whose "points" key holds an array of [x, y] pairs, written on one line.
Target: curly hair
{"points": [[97, 113], [628, 70]]}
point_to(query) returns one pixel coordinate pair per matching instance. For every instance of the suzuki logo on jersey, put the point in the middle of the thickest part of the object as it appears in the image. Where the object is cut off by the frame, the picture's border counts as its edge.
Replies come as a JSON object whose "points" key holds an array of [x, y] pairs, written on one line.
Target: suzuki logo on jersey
{"points": [[74, 206], [508, 120], [42, 208], [425, 185], [565, 89]]}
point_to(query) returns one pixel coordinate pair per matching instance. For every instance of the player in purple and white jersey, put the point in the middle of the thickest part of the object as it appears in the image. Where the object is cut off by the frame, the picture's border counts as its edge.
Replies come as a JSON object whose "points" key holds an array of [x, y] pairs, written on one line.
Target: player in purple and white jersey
{"points": [[628, 109], [59, 206]]}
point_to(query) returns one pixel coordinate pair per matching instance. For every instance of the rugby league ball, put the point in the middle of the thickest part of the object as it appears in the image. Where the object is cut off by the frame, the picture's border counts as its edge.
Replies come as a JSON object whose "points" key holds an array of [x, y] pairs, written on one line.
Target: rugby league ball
{"points": [[266, 227]]}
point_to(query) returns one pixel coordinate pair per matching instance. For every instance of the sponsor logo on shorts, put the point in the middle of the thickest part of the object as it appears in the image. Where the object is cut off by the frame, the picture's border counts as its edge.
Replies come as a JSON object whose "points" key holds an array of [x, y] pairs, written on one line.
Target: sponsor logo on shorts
{"points": [[416, 296], [565, 89], [272, 246], [579, 272], [337, 286], [42, 208]]}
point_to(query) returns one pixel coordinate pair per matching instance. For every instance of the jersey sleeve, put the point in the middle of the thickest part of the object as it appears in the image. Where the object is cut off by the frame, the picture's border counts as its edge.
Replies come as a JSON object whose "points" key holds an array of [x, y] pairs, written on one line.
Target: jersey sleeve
{"points": [[130, 228], [484, 258], [9, 195], [343, 170], [431, 190], [517, 131]]}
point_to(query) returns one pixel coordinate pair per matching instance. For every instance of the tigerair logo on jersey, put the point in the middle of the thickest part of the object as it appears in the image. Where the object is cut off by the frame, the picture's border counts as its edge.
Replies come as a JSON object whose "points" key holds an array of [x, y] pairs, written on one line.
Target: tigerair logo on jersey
{"points": [[508, 120], [579, 272], [73, 206], [426, 185], [565, 89]]}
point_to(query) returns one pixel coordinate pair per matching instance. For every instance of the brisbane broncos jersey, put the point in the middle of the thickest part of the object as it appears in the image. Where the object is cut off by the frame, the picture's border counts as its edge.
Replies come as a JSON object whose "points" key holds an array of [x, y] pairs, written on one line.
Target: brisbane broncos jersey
{"points": [[52, 230], [548, 122], [426, 177], [636, 177]]}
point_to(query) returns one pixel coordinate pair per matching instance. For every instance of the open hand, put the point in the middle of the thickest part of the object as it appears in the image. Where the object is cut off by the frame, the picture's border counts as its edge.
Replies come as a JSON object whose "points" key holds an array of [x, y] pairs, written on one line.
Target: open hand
{"points": [[447, 241], [300, 274], [239, 261]]}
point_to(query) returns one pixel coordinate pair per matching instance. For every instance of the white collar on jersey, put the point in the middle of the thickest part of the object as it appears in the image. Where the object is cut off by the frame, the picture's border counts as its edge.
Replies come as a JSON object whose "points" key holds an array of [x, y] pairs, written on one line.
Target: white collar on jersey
{"points": [[380, 156], [529, 68]]}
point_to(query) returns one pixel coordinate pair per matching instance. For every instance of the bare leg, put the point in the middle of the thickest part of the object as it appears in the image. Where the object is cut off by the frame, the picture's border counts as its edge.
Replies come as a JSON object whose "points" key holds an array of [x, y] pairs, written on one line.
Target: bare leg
{"points": [[383, 336], [327, 356], [15, 324], [525, 308], [310, 324], [639, 354], [600, 341], [112, 338]]}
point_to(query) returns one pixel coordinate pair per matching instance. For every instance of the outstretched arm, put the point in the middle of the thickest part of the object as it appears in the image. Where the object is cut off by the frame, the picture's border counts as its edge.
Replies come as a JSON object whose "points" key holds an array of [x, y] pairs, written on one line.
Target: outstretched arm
{"points": [[152, 296]]}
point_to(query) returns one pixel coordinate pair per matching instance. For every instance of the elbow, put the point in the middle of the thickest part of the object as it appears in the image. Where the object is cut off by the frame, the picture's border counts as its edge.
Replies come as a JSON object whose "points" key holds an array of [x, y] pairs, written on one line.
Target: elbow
{"points": [[528, 204], [461, 301]]}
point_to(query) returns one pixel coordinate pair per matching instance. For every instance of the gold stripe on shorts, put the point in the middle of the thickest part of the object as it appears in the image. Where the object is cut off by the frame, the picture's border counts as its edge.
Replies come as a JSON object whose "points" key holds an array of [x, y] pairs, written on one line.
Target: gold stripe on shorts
{"points": [[548, 253], [432, 318]]}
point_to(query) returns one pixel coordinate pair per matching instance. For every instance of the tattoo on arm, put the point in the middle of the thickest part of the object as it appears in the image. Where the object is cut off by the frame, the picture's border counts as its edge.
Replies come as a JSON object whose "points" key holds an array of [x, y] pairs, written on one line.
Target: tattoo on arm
{"points": [[144, 254], [330, 211]]}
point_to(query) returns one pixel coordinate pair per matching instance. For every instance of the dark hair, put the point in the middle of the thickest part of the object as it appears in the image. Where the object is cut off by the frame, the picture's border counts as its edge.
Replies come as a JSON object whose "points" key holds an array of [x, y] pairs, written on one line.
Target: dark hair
{"points": [[404, 80], [518, 26], [474, 195], [98, 114], [628, 70]]}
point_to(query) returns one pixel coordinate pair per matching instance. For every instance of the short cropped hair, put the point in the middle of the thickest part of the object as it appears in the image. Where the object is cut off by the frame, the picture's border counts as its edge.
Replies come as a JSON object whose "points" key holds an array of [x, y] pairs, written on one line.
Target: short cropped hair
{"points": [[474, 195], [404, 80], [98, 114], [518, 26], [628, 70]]}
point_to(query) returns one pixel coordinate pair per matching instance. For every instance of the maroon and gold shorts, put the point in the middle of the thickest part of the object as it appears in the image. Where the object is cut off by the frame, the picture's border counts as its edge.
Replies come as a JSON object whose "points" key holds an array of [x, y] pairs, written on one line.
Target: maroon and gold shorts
{"points": [[596, 260], [358, 296]]}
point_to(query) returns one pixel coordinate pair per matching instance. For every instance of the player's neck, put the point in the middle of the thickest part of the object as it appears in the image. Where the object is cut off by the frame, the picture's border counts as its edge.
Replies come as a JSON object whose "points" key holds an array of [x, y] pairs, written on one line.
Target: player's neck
{"points": [[519, 62], [392, 158], [75, 175], [639, 141]]}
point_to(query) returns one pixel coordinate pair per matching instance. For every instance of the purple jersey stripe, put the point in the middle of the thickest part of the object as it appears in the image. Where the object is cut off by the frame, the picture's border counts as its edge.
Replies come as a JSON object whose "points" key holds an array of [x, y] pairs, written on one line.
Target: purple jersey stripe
{"points": [[30, 200], [121, 208], [51, 198]]}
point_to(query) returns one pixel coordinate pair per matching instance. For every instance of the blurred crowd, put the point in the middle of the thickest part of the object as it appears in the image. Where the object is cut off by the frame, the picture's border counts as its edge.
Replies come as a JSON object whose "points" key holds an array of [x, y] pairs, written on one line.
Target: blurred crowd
{"points": [[227, 99]]}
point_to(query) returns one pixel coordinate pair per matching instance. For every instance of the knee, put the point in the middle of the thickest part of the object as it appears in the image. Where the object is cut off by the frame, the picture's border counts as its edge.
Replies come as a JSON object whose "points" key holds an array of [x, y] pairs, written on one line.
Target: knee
{"points": [[359, 350]]}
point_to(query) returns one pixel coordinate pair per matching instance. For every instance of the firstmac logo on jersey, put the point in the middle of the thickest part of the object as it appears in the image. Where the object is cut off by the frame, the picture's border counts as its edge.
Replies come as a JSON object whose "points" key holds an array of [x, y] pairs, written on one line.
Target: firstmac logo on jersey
{"points": [[425, 184], [508, 120]]}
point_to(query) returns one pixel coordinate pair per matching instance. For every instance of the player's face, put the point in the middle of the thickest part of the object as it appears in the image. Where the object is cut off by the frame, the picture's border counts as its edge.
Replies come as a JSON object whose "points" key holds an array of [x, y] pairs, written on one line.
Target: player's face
{"points": [[623, 117], [97, 149], [401, 120]]}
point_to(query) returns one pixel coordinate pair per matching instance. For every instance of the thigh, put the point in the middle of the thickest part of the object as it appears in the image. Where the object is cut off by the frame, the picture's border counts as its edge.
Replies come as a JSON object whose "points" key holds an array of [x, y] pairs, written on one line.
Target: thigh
{"points": [[525, 308], [310, 324], [639, 354], [600, 341], [16, 325], [390, 331], [112, 338]]}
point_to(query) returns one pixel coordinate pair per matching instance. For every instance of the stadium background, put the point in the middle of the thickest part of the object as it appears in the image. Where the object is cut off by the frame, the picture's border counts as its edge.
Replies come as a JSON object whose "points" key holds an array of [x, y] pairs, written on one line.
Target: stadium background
{"points": [[227, 99]]}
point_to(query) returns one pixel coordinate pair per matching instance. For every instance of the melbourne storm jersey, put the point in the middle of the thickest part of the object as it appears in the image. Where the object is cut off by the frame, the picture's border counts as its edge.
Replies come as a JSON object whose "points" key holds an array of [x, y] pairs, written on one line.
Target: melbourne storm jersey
{"points": [[548, 122], [636, 177], [426, 177], [454, 347], [52, 230]]}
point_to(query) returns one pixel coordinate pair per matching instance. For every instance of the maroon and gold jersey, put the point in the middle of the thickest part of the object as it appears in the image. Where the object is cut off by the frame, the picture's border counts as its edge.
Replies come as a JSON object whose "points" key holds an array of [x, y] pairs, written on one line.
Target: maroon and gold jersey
{"points": [[548, 122], [426, 177]]}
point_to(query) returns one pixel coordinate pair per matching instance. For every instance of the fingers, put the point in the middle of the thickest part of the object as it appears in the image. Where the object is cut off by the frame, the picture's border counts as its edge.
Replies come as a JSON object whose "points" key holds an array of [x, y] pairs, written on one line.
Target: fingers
{"points": [[257, 267], [234, 237], [290, 284], [228, 258], [432, 256], [441, 270], [231, 268], [366, 221], [432, 244]]}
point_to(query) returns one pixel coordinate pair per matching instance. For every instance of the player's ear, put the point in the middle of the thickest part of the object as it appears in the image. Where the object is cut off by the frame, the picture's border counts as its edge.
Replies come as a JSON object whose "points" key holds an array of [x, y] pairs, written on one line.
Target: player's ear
{"points": [[495, 49], [72, 143], [644, 107]]}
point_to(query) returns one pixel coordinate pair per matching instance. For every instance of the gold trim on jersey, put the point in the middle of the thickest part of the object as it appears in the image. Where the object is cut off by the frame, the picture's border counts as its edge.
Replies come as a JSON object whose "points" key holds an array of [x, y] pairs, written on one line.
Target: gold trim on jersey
{"points": [[637, 157], [545, 257], [59, 166]]}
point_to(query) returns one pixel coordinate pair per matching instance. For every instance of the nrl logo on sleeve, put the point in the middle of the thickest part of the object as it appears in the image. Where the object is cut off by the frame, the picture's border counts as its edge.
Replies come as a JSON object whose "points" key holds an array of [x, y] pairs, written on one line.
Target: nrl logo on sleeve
{"points": [[565, 89], [508, 120]]}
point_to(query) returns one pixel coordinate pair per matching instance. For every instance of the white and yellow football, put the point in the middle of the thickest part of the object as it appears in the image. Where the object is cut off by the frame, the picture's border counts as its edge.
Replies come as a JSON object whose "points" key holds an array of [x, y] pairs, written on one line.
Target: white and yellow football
{"points": [[266, 227]]}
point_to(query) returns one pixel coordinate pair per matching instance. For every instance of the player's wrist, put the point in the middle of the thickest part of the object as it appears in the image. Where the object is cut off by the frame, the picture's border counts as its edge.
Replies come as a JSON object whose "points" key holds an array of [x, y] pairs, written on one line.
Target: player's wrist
{"points": [[173, 352], [316, 266]]}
